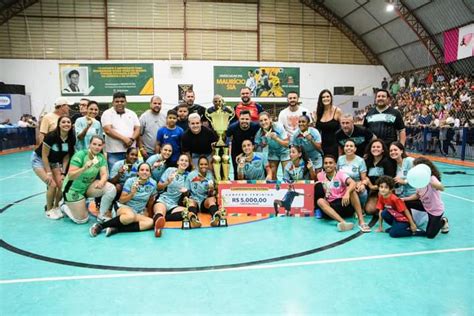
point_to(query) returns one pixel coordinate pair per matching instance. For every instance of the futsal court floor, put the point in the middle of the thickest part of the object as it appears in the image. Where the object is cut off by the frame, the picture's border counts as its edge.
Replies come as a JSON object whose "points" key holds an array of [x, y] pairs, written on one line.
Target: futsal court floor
{"points": [[276, 265]]}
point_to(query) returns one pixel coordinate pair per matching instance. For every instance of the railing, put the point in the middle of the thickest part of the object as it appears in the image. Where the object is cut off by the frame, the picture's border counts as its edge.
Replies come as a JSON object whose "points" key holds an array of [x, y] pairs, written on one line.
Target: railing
{"points": [[16, 137], [448, 141]]}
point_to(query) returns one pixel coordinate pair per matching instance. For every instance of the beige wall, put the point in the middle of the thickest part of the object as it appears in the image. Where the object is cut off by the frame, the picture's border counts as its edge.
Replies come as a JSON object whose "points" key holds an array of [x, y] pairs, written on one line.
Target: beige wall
{"points": [[270, 30]]}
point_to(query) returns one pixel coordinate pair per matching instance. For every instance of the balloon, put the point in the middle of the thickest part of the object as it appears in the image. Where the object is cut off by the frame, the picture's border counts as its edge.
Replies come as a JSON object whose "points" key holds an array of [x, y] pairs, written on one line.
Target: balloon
{"points": [[419, 176]]}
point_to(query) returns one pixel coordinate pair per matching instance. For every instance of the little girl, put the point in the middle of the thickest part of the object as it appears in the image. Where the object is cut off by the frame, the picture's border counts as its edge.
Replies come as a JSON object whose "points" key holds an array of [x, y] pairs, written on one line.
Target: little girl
{"points": [[430, 198]]}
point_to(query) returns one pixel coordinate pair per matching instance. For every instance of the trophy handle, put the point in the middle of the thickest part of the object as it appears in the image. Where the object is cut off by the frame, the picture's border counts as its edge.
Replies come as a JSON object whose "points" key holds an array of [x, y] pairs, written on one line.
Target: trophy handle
{"points": [[206, 114], [232, 113]]}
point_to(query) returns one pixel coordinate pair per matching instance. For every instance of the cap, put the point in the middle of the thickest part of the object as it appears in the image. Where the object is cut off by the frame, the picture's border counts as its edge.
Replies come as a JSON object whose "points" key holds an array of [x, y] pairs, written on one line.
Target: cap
{"points": [[62, 101]]}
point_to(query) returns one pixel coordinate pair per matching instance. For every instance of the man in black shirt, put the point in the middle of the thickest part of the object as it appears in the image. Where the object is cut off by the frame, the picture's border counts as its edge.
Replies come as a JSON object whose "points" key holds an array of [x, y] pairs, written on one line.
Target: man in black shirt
{"points": [[360, 135], [384, 121], [239, 131], [198, 139], [189, 98]]}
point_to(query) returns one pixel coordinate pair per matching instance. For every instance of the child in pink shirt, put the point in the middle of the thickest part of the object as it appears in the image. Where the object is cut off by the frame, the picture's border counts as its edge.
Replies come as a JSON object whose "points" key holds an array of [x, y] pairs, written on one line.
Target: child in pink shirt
{"points": [[430, 198]]}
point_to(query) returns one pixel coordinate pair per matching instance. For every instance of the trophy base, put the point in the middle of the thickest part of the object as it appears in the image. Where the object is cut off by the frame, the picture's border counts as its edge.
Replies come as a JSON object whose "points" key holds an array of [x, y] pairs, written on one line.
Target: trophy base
{"points": [[185, 225], [223, 222]]}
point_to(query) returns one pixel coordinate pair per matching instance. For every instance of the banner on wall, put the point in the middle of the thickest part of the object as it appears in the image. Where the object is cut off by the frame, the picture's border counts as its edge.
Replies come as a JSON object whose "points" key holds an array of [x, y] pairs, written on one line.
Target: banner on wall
{"points": [[106, 79], [264, 82], [5, 102], [259, 198], [459, 43]]}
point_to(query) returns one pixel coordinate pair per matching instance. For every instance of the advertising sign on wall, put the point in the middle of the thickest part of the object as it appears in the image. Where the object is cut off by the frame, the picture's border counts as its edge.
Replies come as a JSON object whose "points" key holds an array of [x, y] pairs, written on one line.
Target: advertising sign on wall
{"points": [[106, 79], [264, 82], [5, 102]]}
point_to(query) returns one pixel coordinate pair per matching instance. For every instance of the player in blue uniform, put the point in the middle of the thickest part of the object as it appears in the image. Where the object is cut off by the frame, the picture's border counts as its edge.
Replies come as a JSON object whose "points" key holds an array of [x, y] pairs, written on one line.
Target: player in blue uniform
{"points": [[310, 140], [167, 207], [136, 193], [290, 195], [274, 140], [354, 166], [299, 167], [159, 162], [252, 165], [202, 194], [124, 169]]}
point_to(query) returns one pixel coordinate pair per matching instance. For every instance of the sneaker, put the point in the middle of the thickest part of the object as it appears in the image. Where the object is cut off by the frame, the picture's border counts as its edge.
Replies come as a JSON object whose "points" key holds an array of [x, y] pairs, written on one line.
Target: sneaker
{"points": [[95, 229], [58, 212], [216, 219], [194, 220], [109, 231], [159, 224], [445, 228], [318, 213], [53, 214], [102, 218]]}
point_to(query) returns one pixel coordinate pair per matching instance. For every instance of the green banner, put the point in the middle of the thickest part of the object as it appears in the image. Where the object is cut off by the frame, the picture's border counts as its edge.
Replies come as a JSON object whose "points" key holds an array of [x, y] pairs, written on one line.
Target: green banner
{"points": [[264, 82], [105, 79]]}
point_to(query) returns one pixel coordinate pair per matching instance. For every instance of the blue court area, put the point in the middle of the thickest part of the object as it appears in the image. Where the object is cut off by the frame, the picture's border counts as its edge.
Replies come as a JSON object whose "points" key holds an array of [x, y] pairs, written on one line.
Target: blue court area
{"points": [[281, 265]]}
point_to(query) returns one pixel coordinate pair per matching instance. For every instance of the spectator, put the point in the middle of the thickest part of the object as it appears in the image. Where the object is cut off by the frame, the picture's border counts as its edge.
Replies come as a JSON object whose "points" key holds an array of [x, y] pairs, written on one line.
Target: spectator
{"points": [[121, 127], [150, 123]]}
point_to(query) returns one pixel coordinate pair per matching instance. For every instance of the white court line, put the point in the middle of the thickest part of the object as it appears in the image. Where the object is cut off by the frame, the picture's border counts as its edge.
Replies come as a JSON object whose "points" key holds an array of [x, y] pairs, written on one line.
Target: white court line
{"points": [[458, 197], [256, 267], [14, 175]]}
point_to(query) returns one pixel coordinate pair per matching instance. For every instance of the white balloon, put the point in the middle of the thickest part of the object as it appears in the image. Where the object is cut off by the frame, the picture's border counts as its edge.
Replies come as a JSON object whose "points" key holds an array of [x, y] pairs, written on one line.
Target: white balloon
{"points": [[419, 176]]}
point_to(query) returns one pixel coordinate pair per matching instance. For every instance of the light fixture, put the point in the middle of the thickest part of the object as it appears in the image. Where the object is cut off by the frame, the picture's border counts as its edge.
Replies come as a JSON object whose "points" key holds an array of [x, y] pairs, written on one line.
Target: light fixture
{"points": [[390, 6]]}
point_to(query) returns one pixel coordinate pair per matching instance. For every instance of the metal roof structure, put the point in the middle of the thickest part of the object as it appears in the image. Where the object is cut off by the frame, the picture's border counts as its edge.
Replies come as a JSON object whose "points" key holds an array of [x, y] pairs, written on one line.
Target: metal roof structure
{"points": [[409, 37]]}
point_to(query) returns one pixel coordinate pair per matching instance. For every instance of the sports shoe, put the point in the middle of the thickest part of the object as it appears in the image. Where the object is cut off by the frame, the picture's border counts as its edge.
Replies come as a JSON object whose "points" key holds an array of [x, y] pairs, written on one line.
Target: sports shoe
{"points": [[109, 231], [95, 229], [53, 213], [194, 220], [159, 224], [216, 219], [318, 213], [58, 212], [445, 228]]}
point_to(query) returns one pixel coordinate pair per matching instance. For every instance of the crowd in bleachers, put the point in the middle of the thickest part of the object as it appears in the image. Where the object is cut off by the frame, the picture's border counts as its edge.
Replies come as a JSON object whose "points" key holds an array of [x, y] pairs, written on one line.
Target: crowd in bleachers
{"points": [[435, 109]]}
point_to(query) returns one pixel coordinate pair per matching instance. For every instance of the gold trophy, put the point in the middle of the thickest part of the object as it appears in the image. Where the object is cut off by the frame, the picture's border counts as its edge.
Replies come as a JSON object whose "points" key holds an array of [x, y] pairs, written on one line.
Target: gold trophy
{"points": [[186, 222], [223, 220], [220, 119]]}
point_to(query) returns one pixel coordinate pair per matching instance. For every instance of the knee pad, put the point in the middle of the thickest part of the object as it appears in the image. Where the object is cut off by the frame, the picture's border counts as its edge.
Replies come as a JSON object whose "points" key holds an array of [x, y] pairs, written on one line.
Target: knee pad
{"points": [[193, 209], [67, 211], [109, 190], [213, 208]]}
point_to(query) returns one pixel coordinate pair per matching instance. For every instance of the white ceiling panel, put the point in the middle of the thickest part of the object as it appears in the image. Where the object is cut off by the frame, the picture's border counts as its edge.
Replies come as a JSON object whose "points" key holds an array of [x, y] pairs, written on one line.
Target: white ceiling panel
{"points": [[395, 61]]}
